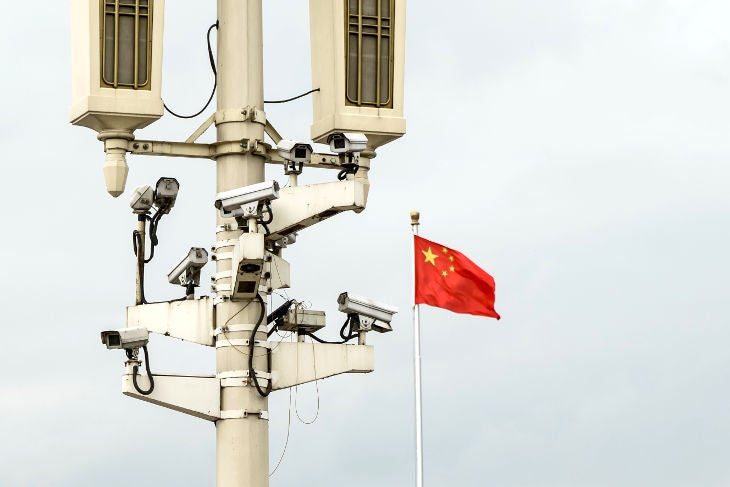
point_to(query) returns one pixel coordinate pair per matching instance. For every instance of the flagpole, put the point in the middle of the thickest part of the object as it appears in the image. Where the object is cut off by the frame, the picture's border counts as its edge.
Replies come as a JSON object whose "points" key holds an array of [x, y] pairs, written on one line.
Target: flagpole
{"points": [[415, 216]]}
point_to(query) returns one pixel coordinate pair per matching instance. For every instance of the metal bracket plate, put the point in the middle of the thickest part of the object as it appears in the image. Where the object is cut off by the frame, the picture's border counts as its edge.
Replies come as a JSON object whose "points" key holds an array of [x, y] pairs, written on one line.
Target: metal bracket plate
{"points": [[242, 413]]}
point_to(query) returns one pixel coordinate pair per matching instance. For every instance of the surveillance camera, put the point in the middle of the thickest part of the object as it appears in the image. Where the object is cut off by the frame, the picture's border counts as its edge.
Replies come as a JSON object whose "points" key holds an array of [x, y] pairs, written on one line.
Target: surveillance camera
{"points": [[143, 198], [302, 321], [294, 151], [247, 263], [347, 142], [187, 272], [366, 314], [246, 201], [125, 338], [286, 240], [166, 191]]}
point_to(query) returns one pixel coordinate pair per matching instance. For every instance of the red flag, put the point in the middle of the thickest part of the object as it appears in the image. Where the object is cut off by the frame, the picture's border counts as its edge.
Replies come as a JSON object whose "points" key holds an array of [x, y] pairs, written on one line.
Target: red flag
{"points": [[447, 279]]}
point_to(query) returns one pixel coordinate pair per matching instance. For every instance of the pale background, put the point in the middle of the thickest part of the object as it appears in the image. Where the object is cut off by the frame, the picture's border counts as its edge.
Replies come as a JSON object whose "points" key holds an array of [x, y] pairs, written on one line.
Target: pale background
{"points": [[577, 150]]}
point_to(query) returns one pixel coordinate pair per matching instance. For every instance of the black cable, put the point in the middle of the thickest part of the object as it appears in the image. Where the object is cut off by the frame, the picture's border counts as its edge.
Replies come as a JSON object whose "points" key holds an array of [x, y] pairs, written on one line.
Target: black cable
{"points": [[279, 312], [314, 337], [292, 98], [149, 374], [215, 79], [252, 343], [154, 222], [345, 338], [270, 218], [344, 326], [276, 314], [348, 169]]}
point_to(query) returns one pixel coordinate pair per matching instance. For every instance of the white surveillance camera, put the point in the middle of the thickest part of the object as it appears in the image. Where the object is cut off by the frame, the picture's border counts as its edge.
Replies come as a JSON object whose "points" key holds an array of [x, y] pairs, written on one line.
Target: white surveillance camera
{"points": [[294, 151], [187, 272], [247, 263], [246, 201], [366, 314], [126, 338], [166, 191], [347, 142], [143, 198], [302, 321], [286, 240]]}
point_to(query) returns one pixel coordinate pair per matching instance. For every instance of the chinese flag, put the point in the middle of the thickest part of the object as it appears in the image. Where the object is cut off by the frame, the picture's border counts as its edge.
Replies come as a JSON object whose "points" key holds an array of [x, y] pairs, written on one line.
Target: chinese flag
{"points": [[447, 279]]}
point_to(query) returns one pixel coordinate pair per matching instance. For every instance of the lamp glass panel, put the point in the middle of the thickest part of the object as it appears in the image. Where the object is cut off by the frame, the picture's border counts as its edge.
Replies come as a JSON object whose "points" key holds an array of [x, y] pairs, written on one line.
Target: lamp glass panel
{"points": [[369, 78], [126, 52], [385, 78], [370, 7], [352, 65], [125, 64], [369, 74]]}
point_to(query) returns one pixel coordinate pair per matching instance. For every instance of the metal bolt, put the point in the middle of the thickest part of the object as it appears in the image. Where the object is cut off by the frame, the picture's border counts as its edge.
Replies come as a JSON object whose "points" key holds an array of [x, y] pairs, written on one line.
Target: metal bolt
{"points": [[146, 146], [135, 145]]}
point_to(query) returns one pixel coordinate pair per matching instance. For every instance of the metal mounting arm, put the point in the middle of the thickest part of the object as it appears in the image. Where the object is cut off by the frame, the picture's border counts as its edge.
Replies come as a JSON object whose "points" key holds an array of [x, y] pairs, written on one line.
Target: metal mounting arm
{"points": [[303, 206]]}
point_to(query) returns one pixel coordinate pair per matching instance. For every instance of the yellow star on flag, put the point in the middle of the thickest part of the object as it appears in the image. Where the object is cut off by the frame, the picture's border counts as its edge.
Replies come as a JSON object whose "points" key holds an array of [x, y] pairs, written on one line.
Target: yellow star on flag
{"points": [[430, 256]]}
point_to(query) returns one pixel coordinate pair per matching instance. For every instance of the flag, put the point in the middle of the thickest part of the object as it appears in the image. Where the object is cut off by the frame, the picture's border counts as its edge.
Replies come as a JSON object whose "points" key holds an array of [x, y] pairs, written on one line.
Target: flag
{"points": [[447, 279]]}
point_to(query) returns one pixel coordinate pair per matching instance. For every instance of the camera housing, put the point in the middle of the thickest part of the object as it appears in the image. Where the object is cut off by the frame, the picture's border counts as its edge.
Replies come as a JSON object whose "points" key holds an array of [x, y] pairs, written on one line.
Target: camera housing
{"points": [[294, 151], [143, 198], [296, 154], [166, 191], [246, 202], [247, 264], [187, 271], [366, 314], [126, 338], [347, 142], [302, 321]]}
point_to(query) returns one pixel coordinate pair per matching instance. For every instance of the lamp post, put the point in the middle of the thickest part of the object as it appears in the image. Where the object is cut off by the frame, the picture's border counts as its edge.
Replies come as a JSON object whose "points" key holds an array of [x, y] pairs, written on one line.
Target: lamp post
{"points": [[242, 442], [117, 53]]}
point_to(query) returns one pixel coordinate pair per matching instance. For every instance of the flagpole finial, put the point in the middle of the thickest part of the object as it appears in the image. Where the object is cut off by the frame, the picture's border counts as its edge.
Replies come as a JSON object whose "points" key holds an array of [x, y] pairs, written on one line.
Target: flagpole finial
{"points": [[415, 216]]}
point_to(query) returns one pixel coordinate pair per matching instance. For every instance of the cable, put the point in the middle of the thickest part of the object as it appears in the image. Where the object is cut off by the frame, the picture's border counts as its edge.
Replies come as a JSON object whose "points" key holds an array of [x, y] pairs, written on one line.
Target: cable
{"points": [[149, 374], [316, 385], [270, 218], [252, 344], [215, 79], [236, 313], [345, 338], [348, 169], [276, 314], [317, 339], [286, 442], [344, 326], [292, 98], [154, 222]]}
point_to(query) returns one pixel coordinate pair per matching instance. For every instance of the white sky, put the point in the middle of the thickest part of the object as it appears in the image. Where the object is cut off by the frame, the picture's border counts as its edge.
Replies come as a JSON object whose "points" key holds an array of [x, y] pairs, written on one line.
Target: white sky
{"points": [[577, 150]]}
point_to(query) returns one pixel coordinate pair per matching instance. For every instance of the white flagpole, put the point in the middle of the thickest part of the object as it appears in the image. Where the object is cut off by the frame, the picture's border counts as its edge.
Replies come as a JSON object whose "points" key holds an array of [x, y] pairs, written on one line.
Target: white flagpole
{"points": [[415, 216]]}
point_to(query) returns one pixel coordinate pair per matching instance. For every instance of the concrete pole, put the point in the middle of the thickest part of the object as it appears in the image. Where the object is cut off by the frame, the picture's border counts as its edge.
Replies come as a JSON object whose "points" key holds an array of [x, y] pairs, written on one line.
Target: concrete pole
{"points": [[242, 444]]}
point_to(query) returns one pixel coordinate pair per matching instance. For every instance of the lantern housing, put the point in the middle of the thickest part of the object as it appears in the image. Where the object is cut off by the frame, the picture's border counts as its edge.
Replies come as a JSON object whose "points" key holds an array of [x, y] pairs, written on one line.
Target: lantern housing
{"points": [[117, 63], [358, 49]]}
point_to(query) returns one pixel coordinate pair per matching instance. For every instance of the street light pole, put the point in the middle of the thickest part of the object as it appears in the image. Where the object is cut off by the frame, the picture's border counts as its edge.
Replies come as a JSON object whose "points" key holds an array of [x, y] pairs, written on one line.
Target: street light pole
{"points": [[242, 442], [247, 367]]}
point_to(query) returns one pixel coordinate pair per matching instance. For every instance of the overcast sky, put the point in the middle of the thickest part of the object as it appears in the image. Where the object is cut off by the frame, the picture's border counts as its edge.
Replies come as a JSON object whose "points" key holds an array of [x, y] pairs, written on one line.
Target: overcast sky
{"points": [[577, 150]]}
